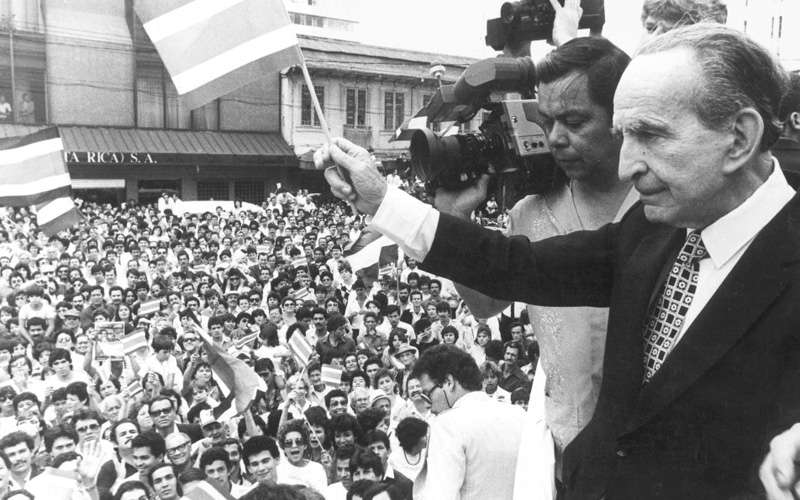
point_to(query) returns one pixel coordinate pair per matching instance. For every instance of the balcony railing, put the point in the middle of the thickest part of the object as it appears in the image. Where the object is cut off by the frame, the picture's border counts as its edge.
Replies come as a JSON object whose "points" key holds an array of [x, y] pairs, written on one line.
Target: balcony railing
{"points": [[359, 135]]}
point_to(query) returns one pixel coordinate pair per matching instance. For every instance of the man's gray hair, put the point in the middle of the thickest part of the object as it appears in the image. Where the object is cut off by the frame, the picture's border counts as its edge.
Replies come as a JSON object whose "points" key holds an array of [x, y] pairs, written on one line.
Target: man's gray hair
{"points": [[737, 73], [685, 12]]}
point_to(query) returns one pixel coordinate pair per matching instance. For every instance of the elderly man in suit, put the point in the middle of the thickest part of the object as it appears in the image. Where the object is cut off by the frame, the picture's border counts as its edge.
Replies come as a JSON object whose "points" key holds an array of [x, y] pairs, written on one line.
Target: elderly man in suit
{"points": [[701, 277]]}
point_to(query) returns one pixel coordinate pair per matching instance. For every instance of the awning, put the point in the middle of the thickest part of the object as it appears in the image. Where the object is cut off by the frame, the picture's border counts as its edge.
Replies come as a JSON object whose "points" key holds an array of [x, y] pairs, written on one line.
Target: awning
{"points": [[110, 145], [100, 145], [137, 140]]}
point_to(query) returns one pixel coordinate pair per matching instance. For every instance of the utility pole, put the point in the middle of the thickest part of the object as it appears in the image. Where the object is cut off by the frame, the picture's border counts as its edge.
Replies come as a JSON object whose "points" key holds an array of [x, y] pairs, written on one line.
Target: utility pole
{"points": [[13, 75]]}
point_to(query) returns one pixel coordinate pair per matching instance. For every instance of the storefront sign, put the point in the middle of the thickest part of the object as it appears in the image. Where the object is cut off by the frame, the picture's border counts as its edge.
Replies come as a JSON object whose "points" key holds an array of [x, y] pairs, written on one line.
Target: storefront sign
{"points": [[104, 157]]}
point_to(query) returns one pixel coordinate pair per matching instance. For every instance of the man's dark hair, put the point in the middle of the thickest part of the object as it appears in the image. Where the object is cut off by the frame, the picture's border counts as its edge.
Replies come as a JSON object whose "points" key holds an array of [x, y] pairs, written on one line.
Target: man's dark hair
{"points": [[409, 431], [334, 393], [258, 444], [369, 418], [151, 440], [735, 73], [494, 350], [366, 459], [442, 360], [58, 354], [148, 474], [113, 430], [26, 396], [59, 431], [15, 438], [213, 454], [130, 486], [600, 60], [274, 492], [375, 436], [79, 390]]}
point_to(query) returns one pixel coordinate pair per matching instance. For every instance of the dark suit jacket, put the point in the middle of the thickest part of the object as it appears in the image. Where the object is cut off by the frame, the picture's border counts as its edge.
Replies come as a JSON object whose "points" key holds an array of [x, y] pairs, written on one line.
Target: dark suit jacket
{"points": [[701, 426]]}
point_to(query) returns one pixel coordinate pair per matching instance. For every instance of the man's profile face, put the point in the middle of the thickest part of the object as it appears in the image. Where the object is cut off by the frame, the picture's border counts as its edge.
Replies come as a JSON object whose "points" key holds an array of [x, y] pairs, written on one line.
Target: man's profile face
{"points": [[675, 161], [577, 129]]}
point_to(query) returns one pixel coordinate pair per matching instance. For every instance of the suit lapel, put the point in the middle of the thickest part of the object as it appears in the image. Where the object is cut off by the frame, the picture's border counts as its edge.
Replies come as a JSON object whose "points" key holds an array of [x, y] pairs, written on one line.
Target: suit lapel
{"points": [[623, 363], [753, 284]]}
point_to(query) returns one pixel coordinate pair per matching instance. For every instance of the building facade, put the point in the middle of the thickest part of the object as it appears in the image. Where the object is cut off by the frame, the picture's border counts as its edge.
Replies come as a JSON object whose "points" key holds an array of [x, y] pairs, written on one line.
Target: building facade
{"points": [[88, 67], [773, 23]]}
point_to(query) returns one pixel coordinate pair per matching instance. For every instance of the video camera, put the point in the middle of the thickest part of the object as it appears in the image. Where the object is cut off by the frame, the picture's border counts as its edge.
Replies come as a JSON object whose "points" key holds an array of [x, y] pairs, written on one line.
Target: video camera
{"points": [[510, 139], [529, 20]]}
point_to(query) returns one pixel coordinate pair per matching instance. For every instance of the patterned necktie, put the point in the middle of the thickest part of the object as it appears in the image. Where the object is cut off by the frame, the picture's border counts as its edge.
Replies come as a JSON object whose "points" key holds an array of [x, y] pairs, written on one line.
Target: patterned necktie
{"points": [[669, 309]]}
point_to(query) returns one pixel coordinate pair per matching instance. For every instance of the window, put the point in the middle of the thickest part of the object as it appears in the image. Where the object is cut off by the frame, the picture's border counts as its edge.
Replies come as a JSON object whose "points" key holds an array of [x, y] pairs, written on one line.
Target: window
{"points": [[216, 189], [426, 98], [158, 104], [356, 108], [250, 191], [308, 116], [393, 110]]}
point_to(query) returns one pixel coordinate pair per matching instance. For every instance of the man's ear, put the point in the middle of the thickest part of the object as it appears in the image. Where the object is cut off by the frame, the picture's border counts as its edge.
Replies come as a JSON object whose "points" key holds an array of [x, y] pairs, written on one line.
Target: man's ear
{"points": [[794, 120], [747, 129]]}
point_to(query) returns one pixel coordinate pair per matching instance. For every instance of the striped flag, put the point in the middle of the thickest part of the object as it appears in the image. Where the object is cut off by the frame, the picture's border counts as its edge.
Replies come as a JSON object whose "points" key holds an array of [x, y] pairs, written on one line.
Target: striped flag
{"points": [[134, 341], [150, 307], [234, 373], [243, 341], [134, 388], [206, 490], [213, 47], [300, 348], [372, 255], [299, 261], [331, 376], [33, 172]]}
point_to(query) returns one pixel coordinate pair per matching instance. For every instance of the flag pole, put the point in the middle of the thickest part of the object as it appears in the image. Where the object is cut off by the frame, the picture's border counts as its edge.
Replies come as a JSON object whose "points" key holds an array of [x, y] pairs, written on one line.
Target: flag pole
{"points": [[323, 123], [311, 90]]}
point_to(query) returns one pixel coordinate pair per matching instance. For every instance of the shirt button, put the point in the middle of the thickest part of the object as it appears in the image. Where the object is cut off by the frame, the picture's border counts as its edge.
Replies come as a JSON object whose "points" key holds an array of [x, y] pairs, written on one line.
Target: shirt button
{"points": [[621, 453]]}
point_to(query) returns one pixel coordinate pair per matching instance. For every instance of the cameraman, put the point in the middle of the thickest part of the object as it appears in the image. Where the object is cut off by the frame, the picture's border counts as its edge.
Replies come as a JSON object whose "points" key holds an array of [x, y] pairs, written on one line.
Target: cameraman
{"points": [[576, 89]]}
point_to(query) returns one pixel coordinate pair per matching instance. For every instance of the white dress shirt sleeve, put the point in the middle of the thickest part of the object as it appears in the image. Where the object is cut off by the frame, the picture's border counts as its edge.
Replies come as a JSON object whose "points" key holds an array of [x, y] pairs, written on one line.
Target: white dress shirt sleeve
{"points": [[407, 221]]}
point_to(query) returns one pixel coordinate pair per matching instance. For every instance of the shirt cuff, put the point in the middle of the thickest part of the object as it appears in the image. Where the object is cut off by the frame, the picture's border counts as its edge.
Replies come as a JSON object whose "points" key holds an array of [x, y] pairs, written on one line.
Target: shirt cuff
{"points": [[407, 221]]}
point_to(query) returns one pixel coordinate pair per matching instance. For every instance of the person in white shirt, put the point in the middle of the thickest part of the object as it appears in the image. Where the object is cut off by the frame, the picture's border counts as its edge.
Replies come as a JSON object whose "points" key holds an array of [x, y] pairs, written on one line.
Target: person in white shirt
{"points": [[296, 469], [473, 444], [164, 363]]}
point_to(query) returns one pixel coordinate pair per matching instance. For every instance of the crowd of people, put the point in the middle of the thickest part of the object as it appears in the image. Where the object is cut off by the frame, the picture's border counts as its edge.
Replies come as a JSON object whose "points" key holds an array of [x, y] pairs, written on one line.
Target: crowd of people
{"points": [[151, 419]]}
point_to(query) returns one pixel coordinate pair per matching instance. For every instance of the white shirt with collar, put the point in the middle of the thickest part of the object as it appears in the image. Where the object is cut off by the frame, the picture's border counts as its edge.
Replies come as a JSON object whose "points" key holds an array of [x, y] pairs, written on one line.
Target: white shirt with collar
{"points": [[727, 238], [472, 451]]}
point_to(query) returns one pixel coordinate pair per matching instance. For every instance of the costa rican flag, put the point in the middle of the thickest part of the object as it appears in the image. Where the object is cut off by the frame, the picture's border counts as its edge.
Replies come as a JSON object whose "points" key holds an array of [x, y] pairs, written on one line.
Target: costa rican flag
{"points": [[134, 341], [331, 375], [149, 307], [300, 348], [33, 172], [213, 47]]}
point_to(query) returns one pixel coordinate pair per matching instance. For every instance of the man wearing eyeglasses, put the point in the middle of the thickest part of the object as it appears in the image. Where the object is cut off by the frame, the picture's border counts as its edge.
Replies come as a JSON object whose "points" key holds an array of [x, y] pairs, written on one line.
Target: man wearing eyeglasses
{"points": [[179, 450], [163, 414], [474, 440], [86, 424]]}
